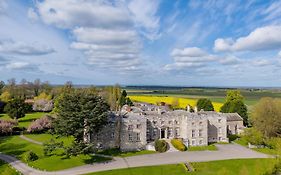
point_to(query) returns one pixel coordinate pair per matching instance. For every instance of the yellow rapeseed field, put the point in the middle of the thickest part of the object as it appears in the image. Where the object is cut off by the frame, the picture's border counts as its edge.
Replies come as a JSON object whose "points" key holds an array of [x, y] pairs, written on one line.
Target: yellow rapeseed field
{"points": [[182, 102]]}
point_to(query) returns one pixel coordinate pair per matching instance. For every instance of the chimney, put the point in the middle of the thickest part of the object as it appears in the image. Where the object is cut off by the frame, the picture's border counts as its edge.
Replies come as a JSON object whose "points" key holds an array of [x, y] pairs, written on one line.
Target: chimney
{"points": [[188, 108], [195, 109]]}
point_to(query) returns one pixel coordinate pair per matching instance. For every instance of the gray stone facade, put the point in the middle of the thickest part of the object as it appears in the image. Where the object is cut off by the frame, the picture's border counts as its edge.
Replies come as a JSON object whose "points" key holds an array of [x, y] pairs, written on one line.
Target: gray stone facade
{"points": [[135, 127]]}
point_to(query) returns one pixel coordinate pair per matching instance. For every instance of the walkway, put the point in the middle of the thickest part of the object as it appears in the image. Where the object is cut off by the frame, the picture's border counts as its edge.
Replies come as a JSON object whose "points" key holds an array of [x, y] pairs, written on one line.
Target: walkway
{"points": [[30, 140], [225, 151]]}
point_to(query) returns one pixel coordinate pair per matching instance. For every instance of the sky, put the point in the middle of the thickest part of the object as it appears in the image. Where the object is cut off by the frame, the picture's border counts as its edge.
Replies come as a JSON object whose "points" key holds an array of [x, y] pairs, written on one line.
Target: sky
{"points": [[142, 42]]}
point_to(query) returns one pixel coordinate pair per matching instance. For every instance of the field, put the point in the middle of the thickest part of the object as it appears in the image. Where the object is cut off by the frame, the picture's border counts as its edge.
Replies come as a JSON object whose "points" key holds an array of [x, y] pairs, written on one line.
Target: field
{"points": [[225, 167], [191, 95], [182, 102], [27, 119]]}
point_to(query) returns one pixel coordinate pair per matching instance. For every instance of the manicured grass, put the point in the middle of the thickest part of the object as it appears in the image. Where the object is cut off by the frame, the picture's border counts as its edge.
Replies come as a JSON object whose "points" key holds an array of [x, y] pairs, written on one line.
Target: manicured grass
{"points": [[47, 137], [118, 153], [18, 147], [234, 167], [202, 148], [6, 169], [27, 119], [183, 102], [149, 170], [243, 142]]}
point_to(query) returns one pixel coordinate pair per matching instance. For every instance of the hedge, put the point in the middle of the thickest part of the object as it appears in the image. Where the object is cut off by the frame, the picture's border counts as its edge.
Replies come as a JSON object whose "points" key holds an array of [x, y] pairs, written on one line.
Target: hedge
{"points": [[178, 144], [161, 146]]}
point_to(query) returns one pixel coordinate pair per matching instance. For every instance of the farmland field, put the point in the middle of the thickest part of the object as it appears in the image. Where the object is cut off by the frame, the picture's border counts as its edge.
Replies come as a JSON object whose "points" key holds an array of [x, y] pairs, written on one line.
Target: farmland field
{"points": [[191, 95], [182, 102]]}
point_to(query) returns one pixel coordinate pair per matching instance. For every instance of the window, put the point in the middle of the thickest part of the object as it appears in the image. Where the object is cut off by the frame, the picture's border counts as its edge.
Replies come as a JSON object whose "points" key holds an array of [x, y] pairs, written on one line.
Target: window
{"points": [[200, 132], [193, 142], [170, 130], [193, 133], [138, 126], [170, 122], [155, 132], [200, 123], [130, 137], [177, 132], [220, 131], [219, 138], [154, 122], [112, 135], [130, 127], [193, 123], [176, 122], [138, 137], [200, 142]]}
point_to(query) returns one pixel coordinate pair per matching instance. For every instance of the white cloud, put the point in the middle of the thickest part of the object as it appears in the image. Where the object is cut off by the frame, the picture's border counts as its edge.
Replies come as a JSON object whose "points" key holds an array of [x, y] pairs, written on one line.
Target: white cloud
{"points": [[230, 60], [189, 52], [264, 38], [32, 15], [261, 62], [21, 66], [144, 12], [279, 54], [73, 13], [22, 48]]}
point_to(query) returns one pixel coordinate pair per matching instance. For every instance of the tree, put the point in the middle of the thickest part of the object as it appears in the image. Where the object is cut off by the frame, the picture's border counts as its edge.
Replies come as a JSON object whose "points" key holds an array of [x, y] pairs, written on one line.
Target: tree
{"points": [[266, 117], [2, 85], [235, 103], [80, 113], [5, 96], [15, 108], [124, 100], [205, 104]]}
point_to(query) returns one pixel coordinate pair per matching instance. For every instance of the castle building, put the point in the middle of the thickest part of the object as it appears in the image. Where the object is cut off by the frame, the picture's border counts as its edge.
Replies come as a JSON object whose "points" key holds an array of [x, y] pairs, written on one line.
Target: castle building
{"points": [[135, 128]]}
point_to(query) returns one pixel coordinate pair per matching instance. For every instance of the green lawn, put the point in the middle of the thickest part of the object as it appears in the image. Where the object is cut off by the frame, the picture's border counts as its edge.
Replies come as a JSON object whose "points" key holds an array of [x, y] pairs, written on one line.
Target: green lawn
{"points": [[27, 119], [224, 167], [47, 137], [16, 146], [150, 170], [211, 147], [6, 169], [118, 153], [234, 167], [243, 142]]}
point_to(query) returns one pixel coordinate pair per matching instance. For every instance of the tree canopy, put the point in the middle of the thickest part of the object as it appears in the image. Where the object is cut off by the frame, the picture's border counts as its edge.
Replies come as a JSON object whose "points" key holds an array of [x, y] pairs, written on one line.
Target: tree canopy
{"points": [[16, 108], [78, 111], [266, 117], [205, 104], [235, 103]]}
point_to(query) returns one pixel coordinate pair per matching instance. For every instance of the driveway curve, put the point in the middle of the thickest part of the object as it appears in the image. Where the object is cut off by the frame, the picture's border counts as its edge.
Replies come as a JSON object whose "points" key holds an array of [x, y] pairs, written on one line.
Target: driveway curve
{"points": [[224, 152]]}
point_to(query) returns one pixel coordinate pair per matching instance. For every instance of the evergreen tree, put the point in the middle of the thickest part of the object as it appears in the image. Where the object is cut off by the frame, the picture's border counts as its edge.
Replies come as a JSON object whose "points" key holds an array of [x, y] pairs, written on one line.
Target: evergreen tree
{"points": [[16, 108], [205, 104]]}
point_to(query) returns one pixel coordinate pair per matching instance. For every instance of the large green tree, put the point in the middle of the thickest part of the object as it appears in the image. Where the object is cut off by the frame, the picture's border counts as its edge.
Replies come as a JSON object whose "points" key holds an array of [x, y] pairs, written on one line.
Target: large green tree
{"points": [[235, 103], [205, 104], [266, 117], [80, 112], [16, 108]]}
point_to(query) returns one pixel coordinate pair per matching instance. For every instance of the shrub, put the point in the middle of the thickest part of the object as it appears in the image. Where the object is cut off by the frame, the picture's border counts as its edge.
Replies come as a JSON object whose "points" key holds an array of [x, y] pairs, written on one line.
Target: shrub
{"points": [[43, 105], [51, 146], [40, 125], [30, 156], [253, 136], [2, 105], [161, 146], [6, 126], [15, 108], [178, 144], [273, 143], [232, 137]]}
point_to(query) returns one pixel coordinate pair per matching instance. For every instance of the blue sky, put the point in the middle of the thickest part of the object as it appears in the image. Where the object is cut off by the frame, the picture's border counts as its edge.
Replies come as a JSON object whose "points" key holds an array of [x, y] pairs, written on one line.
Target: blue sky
{"points": [[142, 42]]}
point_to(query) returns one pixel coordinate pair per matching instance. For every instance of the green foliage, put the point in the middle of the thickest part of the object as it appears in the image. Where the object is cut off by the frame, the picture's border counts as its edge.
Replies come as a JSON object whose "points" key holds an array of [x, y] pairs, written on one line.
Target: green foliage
{"points": [[205, 104], [234, 103], [30, 156], [161, 146], [16, 108], [43, 96], [5, 96], [266, 117], [50, 147], [253, 136], [80, 110], [124, 100], [79, 148], [232, 137], [178, 144]]}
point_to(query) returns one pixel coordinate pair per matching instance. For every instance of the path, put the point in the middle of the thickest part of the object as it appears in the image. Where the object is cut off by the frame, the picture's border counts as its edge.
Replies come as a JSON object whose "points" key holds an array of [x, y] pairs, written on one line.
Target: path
{"points": [[30, 140], [225, 151]]}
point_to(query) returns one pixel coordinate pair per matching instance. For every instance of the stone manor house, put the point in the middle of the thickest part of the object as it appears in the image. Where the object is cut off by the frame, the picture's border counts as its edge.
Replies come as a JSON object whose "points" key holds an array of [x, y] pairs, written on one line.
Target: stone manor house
{"points": [[137, 127]]}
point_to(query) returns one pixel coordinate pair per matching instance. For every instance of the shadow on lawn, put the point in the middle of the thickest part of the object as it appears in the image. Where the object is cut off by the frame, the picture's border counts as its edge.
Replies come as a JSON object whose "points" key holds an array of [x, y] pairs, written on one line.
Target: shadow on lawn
{"points": [[96, 159], [12, 148]]}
